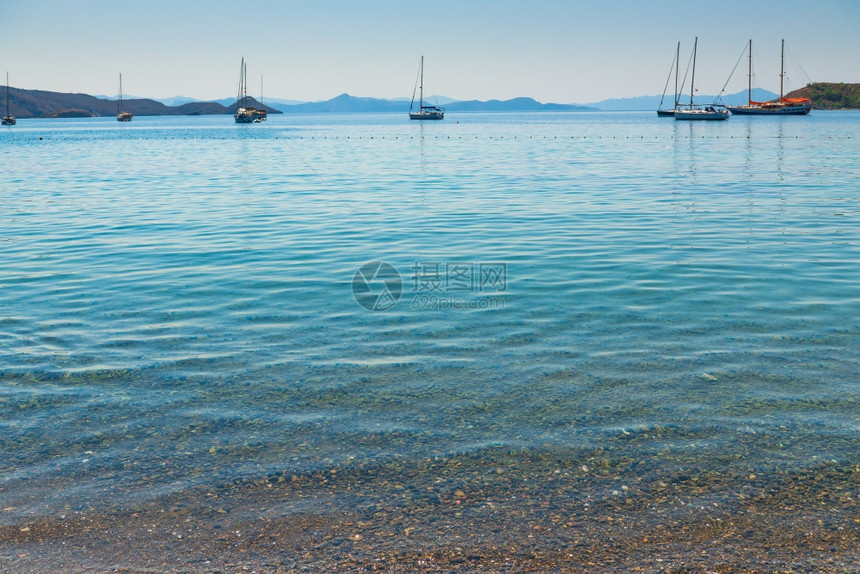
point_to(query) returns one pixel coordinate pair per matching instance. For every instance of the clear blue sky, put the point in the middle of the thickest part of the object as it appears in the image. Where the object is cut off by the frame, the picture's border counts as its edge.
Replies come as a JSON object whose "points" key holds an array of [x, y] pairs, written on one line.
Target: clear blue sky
{"points": [[564, 51]]}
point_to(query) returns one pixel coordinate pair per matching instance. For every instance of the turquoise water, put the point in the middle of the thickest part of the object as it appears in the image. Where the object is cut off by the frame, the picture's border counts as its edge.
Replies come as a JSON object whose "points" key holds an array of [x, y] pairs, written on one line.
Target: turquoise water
{"points": [[177, 300]]}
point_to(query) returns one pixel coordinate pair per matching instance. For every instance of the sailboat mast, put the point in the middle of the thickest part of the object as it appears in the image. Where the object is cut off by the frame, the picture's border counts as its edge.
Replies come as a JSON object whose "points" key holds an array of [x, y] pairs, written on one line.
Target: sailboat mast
{"points": [[693, 76], [677, 65], [119, 101], [781, 68], [421, 86], [7, 93], [749, 77]]}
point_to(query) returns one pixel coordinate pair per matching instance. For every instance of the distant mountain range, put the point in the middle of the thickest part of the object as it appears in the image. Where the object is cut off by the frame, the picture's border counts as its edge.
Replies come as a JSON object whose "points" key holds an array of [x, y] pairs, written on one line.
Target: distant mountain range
{"points": [[653, 102], [345, 103], [45, 104]]}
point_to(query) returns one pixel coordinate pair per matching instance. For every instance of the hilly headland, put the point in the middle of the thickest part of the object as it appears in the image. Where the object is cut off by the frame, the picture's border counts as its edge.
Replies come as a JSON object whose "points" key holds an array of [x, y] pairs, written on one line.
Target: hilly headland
{"points": [[830, 96], [45, 104]]}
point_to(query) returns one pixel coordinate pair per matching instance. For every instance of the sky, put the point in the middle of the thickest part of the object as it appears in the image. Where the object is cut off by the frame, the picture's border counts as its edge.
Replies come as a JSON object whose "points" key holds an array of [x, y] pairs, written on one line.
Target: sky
{"points": [[563, 51]]}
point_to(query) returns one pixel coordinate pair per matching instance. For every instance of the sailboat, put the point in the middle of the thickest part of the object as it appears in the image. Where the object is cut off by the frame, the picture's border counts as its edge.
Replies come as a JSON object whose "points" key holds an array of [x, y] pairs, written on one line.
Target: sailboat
{"points": [[670, 113], [8, 119], [424, 112], [693, 112], [121, 116], [244, 114], [261, 115], [780, 107]]}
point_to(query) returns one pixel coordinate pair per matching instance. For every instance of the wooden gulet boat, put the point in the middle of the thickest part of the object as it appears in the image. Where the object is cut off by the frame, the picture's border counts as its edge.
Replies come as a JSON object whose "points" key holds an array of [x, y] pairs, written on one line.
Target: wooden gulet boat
{"points": [[780, 107]]}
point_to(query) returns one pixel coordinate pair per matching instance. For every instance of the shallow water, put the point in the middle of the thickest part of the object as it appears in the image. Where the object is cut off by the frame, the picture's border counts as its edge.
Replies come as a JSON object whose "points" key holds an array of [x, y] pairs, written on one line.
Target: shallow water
{"points": [[179, 304]]}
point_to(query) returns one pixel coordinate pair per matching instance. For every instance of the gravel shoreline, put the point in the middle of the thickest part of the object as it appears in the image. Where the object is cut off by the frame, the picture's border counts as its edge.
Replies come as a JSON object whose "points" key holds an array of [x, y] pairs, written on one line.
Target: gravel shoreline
{"points": [[492, 513]]}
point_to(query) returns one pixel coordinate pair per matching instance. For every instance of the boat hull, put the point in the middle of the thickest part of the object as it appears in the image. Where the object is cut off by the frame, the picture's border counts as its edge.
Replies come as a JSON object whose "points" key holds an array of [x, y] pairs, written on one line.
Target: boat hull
{"points": [[704, 115], [789, 110], [426, 115], [244, 116], [8, 120], [665, 113], [123, 117]]}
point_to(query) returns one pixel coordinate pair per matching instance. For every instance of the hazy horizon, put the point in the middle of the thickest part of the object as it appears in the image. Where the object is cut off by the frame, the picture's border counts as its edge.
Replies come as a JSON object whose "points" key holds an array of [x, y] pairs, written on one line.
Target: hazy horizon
{"points": [[549, 50], [443, 100]]}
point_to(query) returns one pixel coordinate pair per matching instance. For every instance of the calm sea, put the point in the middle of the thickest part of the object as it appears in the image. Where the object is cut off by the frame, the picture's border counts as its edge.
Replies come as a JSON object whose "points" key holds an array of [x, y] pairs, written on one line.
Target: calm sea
{"points": [[185, 301]]}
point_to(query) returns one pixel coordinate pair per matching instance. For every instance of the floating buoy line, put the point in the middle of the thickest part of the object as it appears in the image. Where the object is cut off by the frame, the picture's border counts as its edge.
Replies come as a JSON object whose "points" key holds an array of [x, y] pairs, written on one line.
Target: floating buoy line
{"points": [[468, 138]]}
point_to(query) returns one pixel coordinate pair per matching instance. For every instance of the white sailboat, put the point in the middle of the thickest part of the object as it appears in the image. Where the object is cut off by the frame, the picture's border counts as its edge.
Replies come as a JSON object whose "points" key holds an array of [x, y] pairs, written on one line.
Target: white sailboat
{"points": [[8, 119], [244, 114], [121, 115], [693, 112], [424, 112]]}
